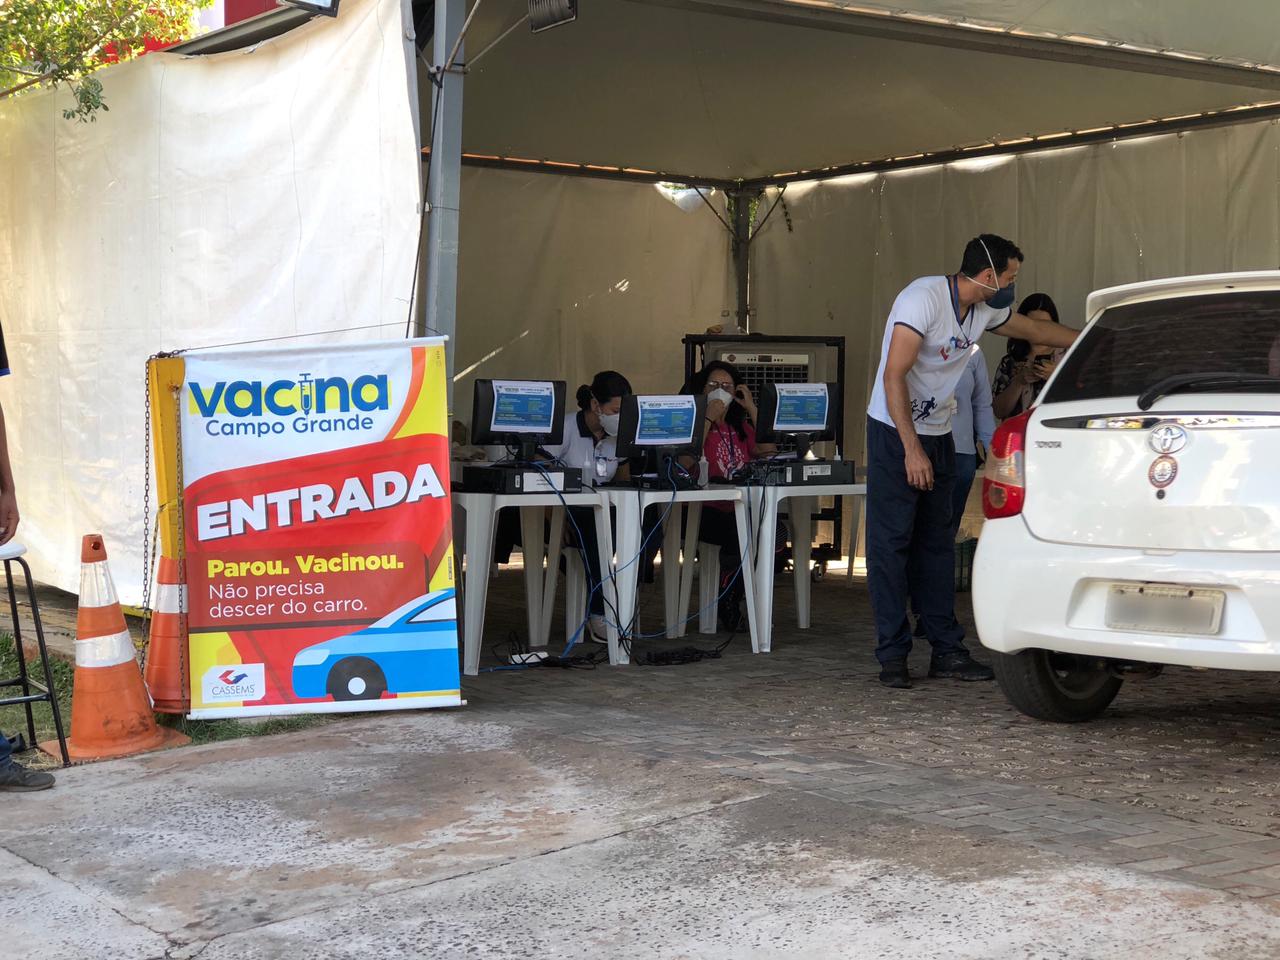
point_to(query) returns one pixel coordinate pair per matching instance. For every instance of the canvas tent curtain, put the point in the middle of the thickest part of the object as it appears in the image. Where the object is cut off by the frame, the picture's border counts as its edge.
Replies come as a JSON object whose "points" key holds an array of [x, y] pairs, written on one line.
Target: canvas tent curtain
{"points": [[253, 194], [562, 277], [1086, 218]]}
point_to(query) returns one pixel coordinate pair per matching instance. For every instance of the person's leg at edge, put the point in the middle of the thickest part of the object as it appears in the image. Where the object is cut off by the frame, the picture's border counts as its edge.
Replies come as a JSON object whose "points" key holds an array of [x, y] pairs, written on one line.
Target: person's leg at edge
{"points": [[966, 468], [584, 518], [891, 517], [719, 527], [933, 558], [14, 777]]}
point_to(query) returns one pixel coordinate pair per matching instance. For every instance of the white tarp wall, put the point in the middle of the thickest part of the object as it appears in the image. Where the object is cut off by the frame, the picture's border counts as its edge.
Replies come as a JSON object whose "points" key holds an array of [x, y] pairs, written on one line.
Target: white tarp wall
{"points": [[1086, 217], [561, 277], [236, 197]]}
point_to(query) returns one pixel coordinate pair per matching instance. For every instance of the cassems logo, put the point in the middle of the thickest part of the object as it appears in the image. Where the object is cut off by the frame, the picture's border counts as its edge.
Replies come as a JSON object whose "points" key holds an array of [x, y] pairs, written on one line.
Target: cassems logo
{"points": [[237, 682]]}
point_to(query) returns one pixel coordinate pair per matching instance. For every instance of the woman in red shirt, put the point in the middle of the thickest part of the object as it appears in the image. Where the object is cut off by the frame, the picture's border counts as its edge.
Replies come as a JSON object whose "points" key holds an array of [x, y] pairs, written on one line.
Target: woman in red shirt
{"points": [[729, 443]]}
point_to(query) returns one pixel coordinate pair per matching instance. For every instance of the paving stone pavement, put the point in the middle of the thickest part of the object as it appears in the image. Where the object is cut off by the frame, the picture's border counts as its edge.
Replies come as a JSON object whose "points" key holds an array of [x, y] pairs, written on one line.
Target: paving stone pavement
{"points": [[1180, 779]]}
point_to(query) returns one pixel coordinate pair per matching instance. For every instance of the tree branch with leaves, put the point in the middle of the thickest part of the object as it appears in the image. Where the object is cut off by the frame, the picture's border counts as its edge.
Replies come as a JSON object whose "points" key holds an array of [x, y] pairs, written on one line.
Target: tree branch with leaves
{"points": [[53, 42]]}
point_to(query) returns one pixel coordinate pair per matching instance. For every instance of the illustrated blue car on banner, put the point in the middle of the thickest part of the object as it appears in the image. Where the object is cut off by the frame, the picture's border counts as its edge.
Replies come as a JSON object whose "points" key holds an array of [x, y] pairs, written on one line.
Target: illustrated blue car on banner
{"points": [[413, 649]]}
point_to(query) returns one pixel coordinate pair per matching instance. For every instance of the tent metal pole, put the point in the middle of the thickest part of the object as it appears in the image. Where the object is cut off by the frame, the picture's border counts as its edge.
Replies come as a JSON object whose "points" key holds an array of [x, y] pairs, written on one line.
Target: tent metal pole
{"points": [[742, 253], [444, 183]]}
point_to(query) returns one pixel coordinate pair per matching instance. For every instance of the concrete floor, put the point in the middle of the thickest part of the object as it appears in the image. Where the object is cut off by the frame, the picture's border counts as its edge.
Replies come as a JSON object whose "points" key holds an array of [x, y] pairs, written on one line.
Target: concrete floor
{"points": [[779, 806]]}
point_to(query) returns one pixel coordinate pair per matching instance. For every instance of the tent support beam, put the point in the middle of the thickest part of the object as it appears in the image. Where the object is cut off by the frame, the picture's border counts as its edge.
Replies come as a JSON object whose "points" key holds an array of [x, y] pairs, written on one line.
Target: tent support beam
{"points": [[1151, 128], [444, 184], [591, 171], [894, 27], [1111, 134]]}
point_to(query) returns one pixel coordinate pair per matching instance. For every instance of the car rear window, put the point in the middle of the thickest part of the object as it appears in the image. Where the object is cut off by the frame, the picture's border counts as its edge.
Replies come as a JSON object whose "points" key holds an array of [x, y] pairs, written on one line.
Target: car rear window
{"points": [[1135, 345]]}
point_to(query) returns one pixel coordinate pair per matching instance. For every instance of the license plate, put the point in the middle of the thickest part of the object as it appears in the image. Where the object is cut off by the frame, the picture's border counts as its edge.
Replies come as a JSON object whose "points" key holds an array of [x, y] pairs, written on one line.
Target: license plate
{"points": [[1161, 608]]}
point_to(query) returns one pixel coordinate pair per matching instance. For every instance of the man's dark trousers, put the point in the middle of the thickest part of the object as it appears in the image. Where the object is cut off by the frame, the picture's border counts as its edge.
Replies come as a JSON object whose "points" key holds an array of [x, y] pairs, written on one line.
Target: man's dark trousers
{"points": [[910, 545]]}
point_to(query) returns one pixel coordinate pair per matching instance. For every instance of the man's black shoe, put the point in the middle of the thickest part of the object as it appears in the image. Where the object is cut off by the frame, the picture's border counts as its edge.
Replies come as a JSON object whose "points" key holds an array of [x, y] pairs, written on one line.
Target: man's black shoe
{"points": [[894, 673], [959, 666], [18, 779]]}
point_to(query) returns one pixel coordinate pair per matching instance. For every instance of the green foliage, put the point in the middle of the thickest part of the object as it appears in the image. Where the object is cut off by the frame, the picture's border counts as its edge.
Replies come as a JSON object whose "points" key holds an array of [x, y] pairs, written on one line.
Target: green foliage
{"points": [[209, 731], [14, 719], [51, 42]]}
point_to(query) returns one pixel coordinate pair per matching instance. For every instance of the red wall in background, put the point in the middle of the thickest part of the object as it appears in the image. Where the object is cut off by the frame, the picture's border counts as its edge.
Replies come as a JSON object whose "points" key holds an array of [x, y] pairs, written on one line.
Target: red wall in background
{"points": [[233, 11], [236, 10]]}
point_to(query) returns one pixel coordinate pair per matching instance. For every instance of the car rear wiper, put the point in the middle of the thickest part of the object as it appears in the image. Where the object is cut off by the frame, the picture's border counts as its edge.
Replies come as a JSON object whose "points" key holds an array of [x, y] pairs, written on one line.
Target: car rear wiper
{"points": [[1222, 380]]}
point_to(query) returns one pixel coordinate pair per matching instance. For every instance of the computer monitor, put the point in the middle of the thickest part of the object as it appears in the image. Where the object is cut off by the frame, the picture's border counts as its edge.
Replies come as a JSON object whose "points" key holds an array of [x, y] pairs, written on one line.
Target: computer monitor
{"points": [[657, 427], [523, 413], [803, 411]]}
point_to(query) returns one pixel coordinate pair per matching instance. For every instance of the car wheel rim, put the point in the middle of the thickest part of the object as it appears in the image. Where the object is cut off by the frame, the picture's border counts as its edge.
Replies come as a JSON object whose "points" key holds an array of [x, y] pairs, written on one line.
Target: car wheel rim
{"points": [[1077, 676], [356, 686]]}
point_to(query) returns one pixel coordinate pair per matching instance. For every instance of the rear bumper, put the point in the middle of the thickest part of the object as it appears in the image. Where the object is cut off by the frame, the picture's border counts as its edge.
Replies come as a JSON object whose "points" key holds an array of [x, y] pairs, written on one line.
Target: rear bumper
{"points": [[1028, 593]]}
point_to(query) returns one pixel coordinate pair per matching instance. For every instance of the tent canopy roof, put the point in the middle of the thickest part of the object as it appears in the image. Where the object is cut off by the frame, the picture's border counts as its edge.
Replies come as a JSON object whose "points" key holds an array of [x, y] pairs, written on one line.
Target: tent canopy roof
{"points": [[742, 89]]}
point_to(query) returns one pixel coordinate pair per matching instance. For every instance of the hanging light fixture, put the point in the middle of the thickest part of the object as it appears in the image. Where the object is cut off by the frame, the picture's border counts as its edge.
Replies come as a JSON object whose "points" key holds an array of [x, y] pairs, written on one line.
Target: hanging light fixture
{"points": [[545, 14]]}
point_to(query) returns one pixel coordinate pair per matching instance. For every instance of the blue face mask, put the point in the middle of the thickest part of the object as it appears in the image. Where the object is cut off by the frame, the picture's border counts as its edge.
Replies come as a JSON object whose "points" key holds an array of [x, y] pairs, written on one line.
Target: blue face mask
{"points": [[1003, 296]]}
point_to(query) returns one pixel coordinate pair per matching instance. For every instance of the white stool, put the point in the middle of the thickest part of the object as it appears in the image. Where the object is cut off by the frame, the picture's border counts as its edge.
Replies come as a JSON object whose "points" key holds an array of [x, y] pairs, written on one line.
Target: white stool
{"points": [[10, 554]]}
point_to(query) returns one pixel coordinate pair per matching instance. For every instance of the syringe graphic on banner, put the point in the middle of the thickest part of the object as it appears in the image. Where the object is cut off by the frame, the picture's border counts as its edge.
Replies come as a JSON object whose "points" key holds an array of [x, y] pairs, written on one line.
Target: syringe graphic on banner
{"points": [[306, 392]]}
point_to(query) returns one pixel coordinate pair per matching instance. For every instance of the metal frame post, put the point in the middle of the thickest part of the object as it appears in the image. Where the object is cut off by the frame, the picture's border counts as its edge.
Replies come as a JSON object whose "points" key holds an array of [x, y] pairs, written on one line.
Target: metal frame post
{"points": [[444, 184], [742, 252]]}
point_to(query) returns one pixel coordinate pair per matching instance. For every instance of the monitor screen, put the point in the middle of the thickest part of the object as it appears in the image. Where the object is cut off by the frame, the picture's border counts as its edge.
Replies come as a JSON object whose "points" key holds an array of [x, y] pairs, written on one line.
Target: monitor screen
{"points": [[666, 421], [802, 408], [523, 406]]}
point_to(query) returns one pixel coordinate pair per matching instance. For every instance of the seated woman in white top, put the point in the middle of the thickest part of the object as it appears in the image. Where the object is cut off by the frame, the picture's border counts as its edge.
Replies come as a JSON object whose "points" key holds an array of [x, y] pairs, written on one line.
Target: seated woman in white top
{"points": [[590, 445], [589, 433]]}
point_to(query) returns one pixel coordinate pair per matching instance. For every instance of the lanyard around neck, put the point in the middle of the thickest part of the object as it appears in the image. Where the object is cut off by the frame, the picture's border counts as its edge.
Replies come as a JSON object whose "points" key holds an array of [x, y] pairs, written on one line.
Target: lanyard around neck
{"points": [[953, 287]]}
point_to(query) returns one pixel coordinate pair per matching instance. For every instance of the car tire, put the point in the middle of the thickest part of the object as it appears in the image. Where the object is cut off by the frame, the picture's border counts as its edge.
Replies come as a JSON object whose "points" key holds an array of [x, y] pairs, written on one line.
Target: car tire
{"points": [[1056, 686], [356, 678]]}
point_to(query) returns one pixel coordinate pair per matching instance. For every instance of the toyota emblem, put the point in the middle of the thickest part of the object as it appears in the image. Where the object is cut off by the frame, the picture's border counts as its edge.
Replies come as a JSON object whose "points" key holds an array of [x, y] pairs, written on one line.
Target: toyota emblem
{"points": [[1167, 438]]}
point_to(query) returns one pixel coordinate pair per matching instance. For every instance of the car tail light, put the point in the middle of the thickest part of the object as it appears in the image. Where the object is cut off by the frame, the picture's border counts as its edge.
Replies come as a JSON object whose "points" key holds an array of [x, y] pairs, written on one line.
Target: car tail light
{"points": [[1004, 483]]}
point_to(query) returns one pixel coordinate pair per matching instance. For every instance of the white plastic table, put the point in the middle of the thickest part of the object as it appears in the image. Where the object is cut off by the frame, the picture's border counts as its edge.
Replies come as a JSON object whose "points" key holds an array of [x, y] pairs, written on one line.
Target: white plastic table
{"points": [[630, 504], [765, 502], [481, 525]]}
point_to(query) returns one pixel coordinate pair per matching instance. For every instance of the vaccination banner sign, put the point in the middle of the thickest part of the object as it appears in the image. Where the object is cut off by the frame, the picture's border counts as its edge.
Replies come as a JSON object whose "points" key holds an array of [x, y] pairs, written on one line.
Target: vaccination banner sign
{"points": [[317, 529]]}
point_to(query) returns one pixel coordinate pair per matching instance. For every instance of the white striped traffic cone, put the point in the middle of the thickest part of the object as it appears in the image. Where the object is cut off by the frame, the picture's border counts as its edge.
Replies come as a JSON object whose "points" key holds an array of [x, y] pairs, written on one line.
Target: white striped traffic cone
{"points": [[110, 710], [166, 652]]}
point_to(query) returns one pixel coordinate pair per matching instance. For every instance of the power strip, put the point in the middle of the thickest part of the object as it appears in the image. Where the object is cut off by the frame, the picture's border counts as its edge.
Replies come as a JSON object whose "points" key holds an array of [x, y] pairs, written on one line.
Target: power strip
{"points": [[533, 656]]}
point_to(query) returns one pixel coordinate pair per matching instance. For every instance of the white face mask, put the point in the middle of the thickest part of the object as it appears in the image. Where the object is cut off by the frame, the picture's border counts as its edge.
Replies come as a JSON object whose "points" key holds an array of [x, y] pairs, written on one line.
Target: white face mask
{"points": [[609, 423], [721, 394]]}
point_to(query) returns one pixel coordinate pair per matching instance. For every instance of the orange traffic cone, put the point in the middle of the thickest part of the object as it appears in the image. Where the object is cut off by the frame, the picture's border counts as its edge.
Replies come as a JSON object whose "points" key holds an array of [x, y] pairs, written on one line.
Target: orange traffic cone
{"points": [[110, 710], [166, 674]]}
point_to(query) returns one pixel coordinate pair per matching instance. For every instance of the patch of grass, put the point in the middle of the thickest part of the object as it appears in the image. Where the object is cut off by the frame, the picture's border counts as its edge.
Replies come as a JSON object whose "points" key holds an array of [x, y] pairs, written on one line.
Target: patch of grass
{"points": [[211, 731], [14, 719]]}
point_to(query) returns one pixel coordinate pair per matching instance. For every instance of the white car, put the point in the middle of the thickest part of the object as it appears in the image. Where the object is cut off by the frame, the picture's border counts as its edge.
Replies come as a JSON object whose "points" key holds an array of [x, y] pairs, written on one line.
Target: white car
{"points": [[1133, 514]]}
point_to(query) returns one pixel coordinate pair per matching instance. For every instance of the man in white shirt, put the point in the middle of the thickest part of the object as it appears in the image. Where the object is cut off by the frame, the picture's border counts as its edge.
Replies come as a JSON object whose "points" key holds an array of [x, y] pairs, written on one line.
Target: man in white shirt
{"points": [[931, 332]]}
